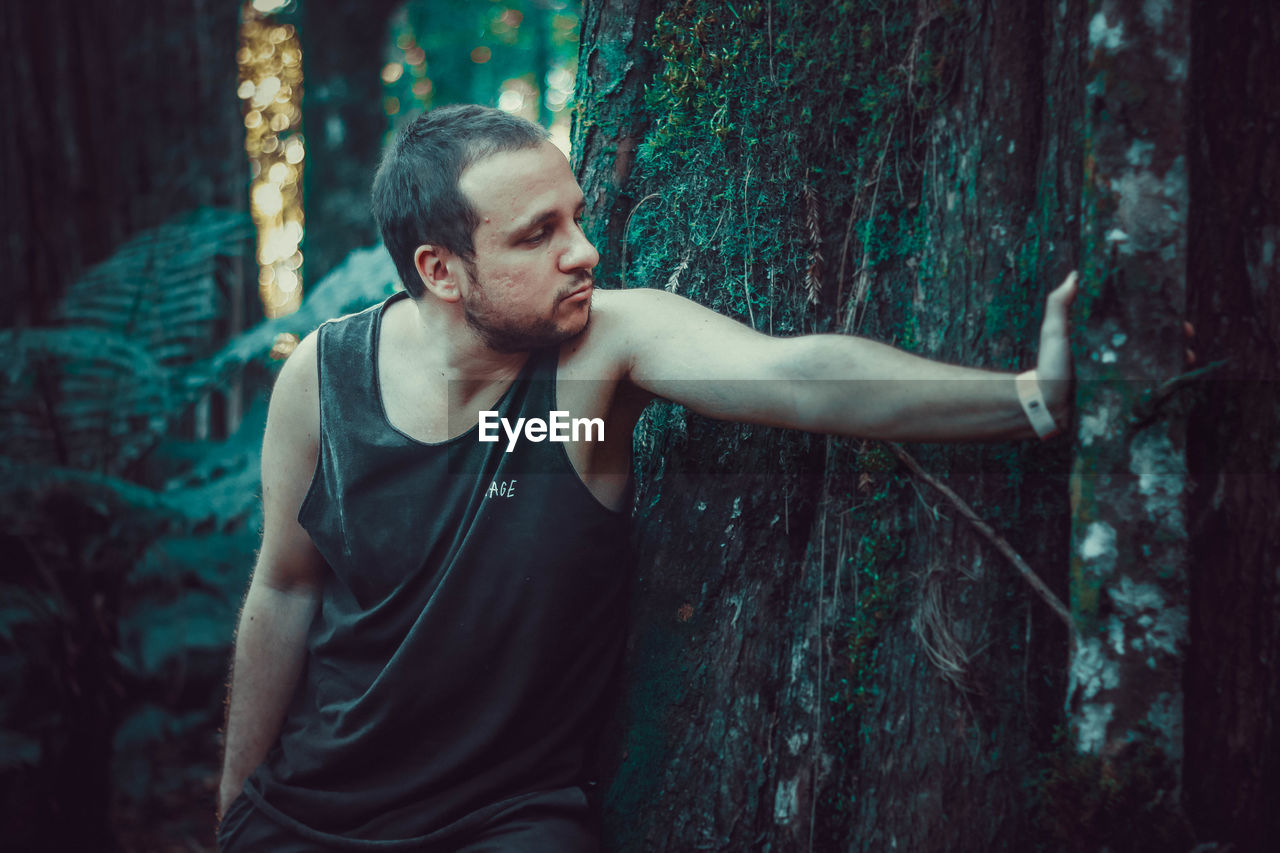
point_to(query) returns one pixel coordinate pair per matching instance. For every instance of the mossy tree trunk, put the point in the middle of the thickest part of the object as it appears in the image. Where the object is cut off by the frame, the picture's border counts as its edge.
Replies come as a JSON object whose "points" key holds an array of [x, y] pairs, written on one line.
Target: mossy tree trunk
{"points": [[1129, 580], [825, 656]]}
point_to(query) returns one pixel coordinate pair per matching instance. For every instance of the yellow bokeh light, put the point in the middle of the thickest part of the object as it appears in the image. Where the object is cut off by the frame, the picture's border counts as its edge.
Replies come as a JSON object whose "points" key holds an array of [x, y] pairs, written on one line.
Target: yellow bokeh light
{"points": [[270, 86], [391, 72], [481, 55], [391, 105], [265, 91], [415, 56]]}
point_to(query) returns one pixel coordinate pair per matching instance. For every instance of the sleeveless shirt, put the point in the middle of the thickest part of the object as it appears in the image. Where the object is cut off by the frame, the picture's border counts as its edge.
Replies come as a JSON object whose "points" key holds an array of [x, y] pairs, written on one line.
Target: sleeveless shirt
{"points": [[466, 646]]}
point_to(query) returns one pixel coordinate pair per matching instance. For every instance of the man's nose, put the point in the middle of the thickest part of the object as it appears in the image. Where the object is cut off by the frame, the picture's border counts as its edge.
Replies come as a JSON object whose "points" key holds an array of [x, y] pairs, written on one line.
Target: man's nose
{"points": [[581, 254]]}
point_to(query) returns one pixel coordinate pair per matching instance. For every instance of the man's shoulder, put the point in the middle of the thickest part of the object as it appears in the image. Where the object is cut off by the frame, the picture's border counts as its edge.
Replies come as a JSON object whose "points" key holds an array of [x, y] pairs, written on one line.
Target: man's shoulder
{"points": [[622, 315], [363, 317], [619, 320]]}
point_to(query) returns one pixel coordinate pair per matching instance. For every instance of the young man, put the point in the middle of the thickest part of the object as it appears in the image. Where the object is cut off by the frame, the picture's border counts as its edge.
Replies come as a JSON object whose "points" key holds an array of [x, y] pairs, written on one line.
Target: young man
{"points": [[433, 628]]}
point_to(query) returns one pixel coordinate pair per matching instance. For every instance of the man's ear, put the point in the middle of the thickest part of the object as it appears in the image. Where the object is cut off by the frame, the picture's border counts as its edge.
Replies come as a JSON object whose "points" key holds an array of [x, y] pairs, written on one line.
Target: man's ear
{"points": [[437, 268]]}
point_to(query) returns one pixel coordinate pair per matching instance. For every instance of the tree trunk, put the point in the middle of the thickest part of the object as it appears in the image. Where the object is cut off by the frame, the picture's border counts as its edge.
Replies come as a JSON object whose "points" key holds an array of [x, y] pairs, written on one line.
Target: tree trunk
{"points": [[118, 117], [824, 654], [343, 48], [614, 66], [1232, 687]]}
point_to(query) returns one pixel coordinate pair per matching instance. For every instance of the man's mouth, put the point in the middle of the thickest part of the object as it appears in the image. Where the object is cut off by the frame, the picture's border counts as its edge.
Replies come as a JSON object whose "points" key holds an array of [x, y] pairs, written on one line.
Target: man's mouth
{"points": [[581, 291]]}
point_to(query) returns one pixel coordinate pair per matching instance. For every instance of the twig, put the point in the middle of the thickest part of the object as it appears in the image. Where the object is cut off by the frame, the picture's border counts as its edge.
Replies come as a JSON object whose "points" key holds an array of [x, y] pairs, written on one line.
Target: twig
{"points": [[1002, 544], [1149, 406], [626, 229], [746, 258], [860, 293]]}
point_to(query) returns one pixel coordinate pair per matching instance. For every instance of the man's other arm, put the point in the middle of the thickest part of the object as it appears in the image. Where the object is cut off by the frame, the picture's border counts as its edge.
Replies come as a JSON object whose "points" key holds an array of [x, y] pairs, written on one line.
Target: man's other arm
{"points": [[676, 349], [270, 646]]}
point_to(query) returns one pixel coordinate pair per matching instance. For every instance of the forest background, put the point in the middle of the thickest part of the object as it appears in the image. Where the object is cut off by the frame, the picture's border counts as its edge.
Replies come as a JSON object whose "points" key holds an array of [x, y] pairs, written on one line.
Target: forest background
{"points": [[834, 643]]}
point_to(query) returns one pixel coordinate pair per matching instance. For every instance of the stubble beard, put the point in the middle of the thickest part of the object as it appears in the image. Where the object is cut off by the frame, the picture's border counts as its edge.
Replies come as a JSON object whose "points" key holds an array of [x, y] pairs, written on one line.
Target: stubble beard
{"points": [[516, 335]]}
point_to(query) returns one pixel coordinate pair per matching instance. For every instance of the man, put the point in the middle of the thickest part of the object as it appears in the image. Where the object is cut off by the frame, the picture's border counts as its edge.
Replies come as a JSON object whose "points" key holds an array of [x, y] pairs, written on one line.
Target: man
{"points": [[433, 628]]}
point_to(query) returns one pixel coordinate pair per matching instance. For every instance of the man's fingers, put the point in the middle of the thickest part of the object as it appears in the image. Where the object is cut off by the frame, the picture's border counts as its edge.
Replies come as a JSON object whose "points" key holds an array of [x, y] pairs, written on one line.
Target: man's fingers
{"points": [[1057, 309], [1062, 295]]}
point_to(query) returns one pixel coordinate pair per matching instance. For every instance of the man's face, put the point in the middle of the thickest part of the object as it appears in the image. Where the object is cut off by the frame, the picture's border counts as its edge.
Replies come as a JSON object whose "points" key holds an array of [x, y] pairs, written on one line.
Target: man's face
{"points": [[530, 284]]}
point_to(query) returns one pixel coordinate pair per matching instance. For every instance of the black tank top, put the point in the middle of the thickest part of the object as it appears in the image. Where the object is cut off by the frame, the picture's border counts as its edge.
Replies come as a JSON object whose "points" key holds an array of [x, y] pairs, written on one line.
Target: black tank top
{"points": [[466, 648]]}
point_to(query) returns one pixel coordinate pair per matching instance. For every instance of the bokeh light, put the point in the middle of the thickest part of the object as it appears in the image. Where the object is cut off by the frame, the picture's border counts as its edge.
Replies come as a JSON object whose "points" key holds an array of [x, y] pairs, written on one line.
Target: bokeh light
{"points": [[270, 87], [522, 60]]}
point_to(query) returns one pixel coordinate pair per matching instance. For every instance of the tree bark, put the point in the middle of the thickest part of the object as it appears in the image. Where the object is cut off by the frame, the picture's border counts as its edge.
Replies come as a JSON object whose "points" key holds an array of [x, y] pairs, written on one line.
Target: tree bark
{"points": [[782, 690], [117, 117], [343, 48], [1129, 584], [824, 656], [1232, 687], [614, 66]]}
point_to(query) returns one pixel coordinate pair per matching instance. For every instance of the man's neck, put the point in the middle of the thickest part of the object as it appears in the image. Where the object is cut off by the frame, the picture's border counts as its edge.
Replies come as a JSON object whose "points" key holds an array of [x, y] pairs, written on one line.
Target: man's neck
{"points": [[452, 357]]}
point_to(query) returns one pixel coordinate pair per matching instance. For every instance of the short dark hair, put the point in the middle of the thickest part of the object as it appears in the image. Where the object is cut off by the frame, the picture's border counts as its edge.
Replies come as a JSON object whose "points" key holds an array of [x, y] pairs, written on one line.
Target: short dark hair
{"points": [[415, 197]]}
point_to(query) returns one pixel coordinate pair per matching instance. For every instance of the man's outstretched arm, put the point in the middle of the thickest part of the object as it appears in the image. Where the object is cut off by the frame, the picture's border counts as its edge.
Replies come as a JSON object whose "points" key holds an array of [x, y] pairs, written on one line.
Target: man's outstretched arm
{"points": [[839, 384], [270, 647]]}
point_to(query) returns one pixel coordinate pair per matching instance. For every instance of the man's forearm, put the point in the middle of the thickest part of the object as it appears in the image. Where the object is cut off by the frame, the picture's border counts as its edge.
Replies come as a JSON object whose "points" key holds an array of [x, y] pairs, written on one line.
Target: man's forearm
{"points": [[269, 657], [860, 387]]}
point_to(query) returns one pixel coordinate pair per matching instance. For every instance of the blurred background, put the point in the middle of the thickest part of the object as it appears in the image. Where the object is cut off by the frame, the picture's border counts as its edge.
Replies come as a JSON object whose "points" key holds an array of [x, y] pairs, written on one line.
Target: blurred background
{"points": [[186, 195]]}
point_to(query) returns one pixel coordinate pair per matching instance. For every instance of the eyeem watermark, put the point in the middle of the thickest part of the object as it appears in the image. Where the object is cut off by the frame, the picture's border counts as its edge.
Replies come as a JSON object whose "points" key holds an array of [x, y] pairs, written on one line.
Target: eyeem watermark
{"points": [[559, 427]]}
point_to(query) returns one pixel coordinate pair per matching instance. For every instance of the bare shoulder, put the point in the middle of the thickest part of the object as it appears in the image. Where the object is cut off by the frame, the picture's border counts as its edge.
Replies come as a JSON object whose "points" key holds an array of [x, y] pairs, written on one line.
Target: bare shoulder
{"points": [[600, 351], [624, 323], [290, 448], [295, 399]]}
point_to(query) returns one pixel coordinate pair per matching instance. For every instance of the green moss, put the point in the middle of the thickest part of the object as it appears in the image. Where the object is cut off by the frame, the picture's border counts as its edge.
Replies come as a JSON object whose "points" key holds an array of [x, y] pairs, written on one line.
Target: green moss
{"points": [[738, 134], [874, 570]]}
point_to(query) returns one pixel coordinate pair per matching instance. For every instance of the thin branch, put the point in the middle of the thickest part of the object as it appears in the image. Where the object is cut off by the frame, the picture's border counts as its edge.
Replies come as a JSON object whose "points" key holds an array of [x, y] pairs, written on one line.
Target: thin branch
{"points": [[626, 229], [1002, 544]]}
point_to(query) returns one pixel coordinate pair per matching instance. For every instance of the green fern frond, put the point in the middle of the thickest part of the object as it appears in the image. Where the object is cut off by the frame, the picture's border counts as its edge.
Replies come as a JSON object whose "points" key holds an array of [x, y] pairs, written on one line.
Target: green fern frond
{"points": [[365, 277], [99, 389], [160, 288]]}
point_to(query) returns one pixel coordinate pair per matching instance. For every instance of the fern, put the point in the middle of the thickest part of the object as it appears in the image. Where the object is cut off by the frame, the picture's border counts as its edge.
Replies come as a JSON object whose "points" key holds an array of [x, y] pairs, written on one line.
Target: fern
{"points": [[101, 387], [82, 400]]}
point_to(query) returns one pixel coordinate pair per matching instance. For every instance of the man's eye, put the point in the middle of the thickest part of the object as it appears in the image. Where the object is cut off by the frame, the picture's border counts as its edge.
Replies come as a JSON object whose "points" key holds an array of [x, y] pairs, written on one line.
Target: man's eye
{"points": [[536, 237]]}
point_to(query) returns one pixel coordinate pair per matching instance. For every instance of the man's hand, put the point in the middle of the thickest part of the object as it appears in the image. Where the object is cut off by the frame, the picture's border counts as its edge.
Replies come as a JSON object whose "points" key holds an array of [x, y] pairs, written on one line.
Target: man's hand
{"points": [[1053, 364]]}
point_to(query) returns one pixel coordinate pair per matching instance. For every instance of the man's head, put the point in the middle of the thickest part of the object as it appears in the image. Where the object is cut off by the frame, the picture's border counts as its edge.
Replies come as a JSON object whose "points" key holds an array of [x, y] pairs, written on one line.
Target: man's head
{"points": [[416, 196], [482, 214]]}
